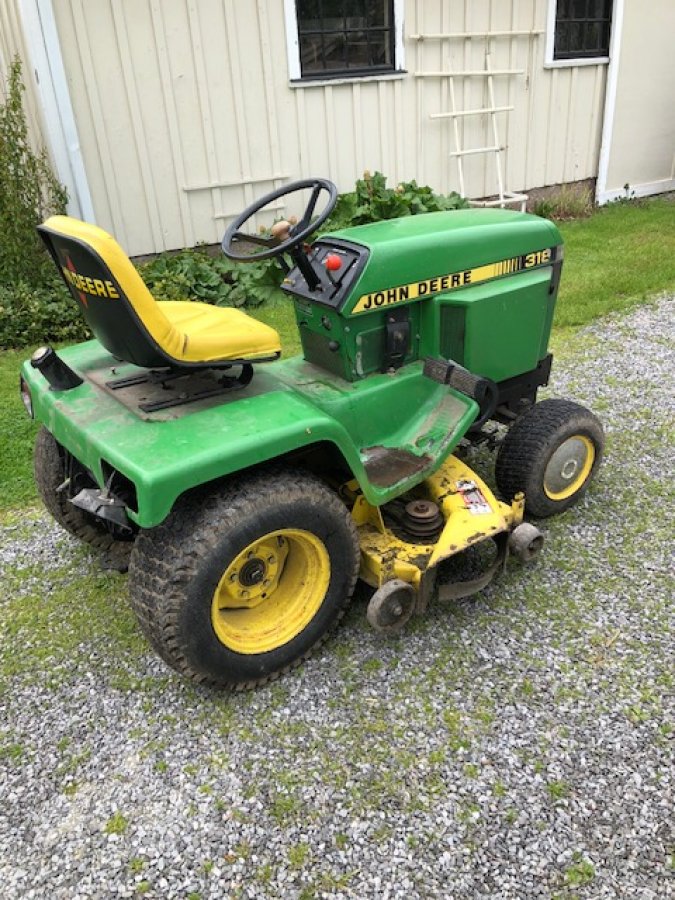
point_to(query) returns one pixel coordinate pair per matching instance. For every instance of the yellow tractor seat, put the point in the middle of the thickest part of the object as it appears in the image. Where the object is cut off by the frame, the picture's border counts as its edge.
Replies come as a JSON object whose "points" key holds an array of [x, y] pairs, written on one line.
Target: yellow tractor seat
{"points": [[127, 320]]}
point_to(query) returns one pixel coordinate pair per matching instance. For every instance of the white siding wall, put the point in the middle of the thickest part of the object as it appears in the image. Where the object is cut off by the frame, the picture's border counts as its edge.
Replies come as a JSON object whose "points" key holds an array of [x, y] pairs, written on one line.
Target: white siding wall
{"points": [[640, 145], [553, 133], [12, 43], [185, 113]]}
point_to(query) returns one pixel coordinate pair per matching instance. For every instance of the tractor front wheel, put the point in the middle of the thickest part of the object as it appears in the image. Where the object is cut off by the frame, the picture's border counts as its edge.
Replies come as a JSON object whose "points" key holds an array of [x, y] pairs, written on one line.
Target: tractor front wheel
{"points": [[239, 586], [551, 453]]}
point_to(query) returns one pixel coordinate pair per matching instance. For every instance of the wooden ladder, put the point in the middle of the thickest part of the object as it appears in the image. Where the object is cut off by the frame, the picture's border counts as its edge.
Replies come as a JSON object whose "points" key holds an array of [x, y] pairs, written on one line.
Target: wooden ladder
{"points": [[504, 197]]}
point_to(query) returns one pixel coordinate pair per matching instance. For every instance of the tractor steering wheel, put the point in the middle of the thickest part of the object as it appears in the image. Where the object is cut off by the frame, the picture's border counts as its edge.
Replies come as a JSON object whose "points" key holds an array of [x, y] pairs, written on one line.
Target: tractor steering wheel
{"points": [[285, 235]]}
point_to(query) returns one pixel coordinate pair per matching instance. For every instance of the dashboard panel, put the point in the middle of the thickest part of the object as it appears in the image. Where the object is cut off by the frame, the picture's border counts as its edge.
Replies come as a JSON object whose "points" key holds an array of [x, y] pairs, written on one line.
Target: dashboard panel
{"points": [[337, 264]]}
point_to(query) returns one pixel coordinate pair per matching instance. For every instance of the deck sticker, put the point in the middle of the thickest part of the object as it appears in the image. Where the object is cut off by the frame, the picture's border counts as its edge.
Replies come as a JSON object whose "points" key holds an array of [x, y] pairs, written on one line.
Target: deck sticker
{"points": [[451, 281], [473, 498]]}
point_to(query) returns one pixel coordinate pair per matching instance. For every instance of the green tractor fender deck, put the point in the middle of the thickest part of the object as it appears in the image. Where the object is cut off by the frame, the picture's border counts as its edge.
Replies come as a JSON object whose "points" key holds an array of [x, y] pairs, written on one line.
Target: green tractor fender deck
{"points": [[393, 430]]}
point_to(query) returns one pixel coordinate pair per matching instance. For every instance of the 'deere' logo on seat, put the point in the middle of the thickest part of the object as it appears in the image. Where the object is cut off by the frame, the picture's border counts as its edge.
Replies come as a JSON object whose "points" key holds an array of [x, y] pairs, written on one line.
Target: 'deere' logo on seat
{"points": [[85, 285]]}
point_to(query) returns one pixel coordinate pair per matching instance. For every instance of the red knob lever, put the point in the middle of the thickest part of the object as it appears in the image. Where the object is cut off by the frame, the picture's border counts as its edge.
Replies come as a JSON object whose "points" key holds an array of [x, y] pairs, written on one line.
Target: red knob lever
{"points": [[333, 262]]}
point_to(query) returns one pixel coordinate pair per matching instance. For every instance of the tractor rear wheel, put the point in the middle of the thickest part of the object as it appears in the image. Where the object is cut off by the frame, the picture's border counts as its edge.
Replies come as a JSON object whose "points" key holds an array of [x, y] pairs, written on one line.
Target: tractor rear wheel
{"points": [[53, 468], [551, 453], [237, 587]]}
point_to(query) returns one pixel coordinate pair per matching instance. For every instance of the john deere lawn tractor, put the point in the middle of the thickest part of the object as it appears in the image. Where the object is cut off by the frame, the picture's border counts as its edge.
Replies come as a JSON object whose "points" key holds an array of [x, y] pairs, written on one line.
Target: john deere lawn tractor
{"points": [[248, 493]]}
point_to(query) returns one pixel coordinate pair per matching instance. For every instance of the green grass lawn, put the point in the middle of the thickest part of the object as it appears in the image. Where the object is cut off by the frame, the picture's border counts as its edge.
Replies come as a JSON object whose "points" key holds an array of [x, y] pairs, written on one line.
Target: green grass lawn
{"points": [[17, 433], [614, 260]]}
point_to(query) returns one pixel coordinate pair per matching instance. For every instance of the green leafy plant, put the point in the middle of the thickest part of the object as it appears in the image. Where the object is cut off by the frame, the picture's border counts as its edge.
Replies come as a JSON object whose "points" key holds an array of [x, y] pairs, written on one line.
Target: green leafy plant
{"points": [[195, 274], [30, 315], [34, 304], [558, 790], [581, 872], [29, 192], [116, 824], [372, 200]]}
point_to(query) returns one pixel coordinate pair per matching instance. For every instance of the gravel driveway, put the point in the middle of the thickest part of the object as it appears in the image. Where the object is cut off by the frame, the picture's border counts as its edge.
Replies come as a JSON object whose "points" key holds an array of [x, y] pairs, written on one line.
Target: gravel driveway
{"points": [[516, 745]]}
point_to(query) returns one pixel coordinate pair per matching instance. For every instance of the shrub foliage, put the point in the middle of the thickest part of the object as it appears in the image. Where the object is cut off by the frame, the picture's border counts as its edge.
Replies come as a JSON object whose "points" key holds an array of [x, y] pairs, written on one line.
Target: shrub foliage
{"points": [[34, 303], [372, 200], [197, 275], [29, 191], [31, 316]]}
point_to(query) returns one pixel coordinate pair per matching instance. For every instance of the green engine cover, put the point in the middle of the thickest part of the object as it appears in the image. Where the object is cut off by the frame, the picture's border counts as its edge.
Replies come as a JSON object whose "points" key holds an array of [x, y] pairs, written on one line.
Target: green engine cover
{"points": [[477, 286]]}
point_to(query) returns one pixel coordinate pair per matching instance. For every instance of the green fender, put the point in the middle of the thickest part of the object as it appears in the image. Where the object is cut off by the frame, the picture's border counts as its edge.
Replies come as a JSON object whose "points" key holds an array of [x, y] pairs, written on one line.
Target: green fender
{"points": [[290, 405]]}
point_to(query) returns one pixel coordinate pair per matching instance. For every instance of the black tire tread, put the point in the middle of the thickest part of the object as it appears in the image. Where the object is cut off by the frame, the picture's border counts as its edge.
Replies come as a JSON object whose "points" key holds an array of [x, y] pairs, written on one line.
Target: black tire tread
{"points": [[49, 474], [528, 445], [166, 557]]}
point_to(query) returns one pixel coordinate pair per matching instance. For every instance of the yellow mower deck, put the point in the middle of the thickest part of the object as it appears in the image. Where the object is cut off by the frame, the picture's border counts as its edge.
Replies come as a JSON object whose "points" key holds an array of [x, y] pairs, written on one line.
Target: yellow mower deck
{"points": [[471, 514]]}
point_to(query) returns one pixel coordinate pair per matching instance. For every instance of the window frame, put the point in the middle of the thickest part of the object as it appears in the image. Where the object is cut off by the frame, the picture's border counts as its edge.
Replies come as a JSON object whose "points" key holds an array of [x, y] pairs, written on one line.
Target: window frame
{"points": [[297, 79], [550, 62]]}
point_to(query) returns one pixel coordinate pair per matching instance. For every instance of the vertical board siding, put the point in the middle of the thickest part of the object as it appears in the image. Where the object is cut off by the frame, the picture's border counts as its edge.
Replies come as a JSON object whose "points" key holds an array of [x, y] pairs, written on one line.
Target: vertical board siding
{"points": [[186, 114], [183, 222], [12, 43]]}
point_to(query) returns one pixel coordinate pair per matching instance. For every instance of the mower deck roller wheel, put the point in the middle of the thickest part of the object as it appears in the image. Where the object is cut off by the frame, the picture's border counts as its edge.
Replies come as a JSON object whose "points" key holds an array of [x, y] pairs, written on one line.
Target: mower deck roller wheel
{"points": [[391, 606], [50, 477], [240, 585], [551, 453], [526, 542]]}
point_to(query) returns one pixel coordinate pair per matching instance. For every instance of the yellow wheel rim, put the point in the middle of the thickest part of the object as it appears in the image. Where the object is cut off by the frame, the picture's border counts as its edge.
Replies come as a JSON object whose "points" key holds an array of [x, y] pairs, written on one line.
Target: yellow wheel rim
{"points": [[569, 467], [271, 591]]}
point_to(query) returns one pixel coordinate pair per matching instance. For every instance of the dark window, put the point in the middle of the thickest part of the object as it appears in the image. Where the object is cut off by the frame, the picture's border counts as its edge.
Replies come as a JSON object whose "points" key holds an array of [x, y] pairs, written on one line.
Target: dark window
{"points": [[345, 37], [582, 28]]}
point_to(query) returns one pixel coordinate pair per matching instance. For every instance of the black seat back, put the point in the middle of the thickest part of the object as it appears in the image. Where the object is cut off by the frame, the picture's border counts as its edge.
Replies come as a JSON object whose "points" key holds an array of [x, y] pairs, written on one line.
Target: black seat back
{"points": [[116, 304]]}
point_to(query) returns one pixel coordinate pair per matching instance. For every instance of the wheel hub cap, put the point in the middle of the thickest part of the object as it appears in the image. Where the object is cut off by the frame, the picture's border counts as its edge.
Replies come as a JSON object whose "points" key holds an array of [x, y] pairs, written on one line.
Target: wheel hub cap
{"points": [[270, 591], [252, 572], [569, 467]]}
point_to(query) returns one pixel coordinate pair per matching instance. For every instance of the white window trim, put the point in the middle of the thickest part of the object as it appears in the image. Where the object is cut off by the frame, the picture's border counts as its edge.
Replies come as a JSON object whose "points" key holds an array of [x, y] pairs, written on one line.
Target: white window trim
{"points": [[549, 61], [293, 52]]}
